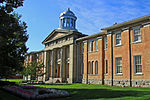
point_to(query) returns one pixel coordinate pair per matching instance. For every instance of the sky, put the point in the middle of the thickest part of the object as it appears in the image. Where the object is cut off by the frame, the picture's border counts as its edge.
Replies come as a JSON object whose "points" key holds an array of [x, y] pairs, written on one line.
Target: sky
{"points": [[42, 16]]}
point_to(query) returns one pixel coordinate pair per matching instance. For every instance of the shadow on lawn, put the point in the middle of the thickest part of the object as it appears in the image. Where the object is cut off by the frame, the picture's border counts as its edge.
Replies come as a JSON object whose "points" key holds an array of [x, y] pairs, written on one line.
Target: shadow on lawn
{"points": [[102, 93], [57, 84]]}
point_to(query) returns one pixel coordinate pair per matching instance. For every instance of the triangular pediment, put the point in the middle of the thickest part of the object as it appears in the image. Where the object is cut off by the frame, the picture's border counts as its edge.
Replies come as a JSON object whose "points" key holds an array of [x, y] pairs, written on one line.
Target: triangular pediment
{"points": [[55, 34]]}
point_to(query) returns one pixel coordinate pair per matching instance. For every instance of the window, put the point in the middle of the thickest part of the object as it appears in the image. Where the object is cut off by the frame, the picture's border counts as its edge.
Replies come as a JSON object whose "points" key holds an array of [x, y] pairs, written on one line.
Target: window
{"points": [[89, 68], [89, 46], [138, 64], [82, 68], [92, 67], [119, 65], [92, 45], [136, 34], [106, 67], [118, 38], [82, 48], [96, 67], [105, 42], [96, 45]]}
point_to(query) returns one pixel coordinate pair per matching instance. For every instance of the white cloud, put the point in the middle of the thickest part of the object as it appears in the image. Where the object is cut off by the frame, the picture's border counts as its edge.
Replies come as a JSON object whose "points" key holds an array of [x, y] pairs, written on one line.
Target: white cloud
{"points": [[96, 14]]}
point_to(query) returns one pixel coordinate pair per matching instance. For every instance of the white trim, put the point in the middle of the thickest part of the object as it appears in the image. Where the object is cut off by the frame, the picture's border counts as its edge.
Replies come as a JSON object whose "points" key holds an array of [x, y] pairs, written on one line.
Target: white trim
{"points": [[134, 33], [118, 32], [125, 30], [146, 25], [137, 73]]}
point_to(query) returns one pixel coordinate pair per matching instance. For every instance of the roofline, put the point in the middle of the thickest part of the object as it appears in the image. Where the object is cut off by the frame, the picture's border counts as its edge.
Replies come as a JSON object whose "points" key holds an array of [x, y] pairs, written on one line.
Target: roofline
{"points": [[91, 36], [59, 30], [147, 17]]}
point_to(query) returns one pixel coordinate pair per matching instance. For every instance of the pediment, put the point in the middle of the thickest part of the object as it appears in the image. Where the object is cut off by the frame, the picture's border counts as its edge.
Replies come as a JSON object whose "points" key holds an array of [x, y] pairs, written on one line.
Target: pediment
{"points": [[55, 34]]}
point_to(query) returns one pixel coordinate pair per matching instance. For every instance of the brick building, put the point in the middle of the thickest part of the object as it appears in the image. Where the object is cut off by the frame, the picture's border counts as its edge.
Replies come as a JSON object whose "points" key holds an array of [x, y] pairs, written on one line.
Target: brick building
{"points": [[119, 55]]}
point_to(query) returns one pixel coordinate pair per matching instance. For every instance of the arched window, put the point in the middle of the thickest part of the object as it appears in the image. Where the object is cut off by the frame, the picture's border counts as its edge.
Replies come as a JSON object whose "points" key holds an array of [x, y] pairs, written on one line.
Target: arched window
{"points": [[89, 67], [92, 67], [96, 67]]}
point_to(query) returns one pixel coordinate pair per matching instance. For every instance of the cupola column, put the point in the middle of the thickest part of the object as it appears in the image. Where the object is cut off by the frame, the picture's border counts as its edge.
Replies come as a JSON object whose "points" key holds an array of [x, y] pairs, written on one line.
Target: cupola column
{"points": [[67, 20]]}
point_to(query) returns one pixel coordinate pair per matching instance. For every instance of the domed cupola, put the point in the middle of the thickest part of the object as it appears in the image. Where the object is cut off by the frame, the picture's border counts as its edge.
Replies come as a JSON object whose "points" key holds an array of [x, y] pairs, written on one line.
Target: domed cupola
{"points": [[68, 20]]}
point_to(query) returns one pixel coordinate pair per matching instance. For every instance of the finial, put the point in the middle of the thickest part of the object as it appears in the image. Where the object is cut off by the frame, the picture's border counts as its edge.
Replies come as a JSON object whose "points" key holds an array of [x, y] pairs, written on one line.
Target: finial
{"points": [[68, 9]]}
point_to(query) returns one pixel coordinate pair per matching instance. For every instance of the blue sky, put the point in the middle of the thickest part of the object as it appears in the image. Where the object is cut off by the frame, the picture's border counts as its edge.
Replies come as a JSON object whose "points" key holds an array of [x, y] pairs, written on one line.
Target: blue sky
{"points": [[42, 16]]}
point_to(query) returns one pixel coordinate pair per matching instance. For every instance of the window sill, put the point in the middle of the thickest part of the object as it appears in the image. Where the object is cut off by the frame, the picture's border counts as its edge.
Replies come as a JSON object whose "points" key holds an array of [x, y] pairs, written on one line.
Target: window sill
{"points": [[134, 42], [119, 74], [93, 52], [96, 50], [93, 74], [138, 74], [118, 45]]}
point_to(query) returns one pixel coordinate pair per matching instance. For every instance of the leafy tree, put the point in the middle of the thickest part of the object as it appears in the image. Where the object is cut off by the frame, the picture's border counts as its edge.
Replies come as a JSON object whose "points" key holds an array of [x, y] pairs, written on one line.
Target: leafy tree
{"points": [[34, 69], [13, 36]]}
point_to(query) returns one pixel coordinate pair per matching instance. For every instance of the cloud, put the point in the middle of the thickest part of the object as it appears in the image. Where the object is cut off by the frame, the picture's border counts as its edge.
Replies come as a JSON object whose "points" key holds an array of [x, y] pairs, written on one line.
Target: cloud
{"points": [[96, 14]]}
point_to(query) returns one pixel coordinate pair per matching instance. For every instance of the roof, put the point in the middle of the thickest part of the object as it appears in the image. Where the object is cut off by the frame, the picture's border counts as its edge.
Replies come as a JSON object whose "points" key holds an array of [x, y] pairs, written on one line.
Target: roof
{"points": [[67, 32], [147, 17], [53, 32], [91, 36], [67, 13]]}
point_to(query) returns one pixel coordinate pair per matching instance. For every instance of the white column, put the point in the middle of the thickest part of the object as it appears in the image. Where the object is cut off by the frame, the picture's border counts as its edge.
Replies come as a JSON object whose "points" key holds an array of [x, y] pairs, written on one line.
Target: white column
{"points": [[61, 64], [45, 61], [69, 22], [60, 23], [71, 63], [52, 64], [65, 22]]}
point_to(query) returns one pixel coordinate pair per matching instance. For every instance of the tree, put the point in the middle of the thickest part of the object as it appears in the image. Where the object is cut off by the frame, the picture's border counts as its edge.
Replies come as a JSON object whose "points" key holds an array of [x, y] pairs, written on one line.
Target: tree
{"points": [[13, 36], [34, 69]]}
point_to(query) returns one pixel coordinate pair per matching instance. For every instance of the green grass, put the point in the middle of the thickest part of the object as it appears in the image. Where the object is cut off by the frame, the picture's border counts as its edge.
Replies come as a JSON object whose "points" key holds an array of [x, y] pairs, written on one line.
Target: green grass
{"points": [[13, 80], [101, 92], [98, 92]]}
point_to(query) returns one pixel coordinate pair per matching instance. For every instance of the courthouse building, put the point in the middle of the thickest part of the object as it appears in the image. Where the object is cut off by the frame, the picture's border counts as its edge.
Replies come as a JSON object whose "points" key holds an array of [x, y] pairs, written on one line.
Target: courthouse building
{"points": [[119, 55]]}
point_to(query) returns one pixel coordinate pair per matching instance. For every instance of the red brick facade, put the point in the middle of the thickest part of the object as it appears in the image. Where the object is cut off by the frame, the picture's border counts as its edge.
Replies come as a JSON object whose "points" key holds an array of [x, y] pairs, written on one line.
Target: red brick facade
{"points": [[126, 51]]}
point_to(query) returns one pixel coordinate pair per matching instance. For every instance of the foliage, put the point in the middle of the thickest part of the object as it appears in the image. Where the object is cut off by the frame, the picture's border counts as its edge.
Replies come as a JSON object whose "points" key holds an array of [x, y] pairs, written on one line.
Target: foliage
{"points": [[13, 36], [33, 69]]}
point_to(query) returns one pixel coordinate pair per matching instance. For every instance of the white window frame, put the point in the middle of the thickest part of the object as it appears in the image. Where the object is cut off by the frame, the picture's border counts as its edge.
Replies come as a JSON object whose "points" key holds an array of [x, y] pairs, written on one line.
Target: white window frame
{"points": [[117, 38], [89, 67], [92, 65], [96, 45], [118, 64], [89, 46], [106, 67], [137, 32], [82, 48], [137, 64], [96, 67]]}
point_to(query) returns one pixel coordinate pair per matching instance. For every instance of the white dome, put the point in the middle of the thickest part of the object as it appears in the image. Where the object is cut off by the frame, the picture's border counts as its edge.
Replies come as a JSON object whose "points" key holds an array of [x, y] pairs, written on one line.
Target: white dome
{"points": [[67, 13], [68, 20]]}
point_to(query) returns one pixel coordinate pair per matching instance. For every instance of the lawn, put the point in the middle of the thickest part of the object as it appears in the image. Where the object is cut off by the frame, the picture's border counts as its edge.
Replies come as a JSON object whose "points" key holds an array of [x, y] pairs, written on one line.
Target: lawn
{"points": [[12, 80], [99, 92]]}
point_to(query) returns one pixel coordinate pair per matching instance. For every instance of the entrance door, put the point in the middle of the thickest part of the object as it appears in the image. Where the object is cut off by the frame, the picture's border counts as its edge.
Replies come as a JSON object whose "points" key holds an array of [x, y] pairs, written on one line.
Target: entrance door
{"points": [[58, 70]]}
